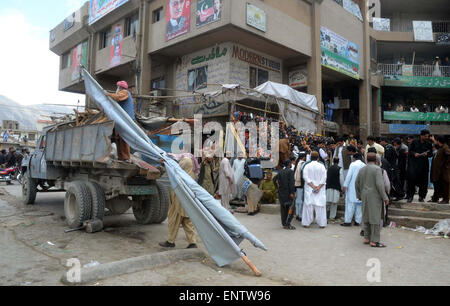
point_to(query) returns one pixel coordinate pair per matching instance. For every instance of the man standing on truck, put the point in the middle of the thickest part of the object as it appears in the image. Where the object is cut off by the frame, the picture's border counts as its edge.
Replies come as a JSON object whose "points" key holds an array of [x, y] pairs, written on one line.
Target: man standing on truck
{"points": [[125, 100]]}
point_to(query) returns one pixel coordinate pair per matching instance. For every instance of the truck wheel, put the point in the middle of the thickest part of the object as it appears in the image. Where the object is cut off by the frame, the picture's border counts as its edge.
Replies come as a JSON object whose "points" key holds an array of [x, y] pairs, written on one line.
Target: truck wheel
{"points": [[77, 204], [98, 200], [29, 189], [155, 209]]}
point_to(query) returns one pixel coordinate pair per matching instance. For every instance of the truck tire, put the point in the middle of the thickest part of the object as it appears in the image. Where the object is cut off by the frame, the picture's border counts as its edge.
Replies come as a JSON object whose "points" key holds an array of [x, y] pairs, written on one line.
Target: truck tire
{"points": [[98, 200], [155, 209], [29, 189], [77, 204]]}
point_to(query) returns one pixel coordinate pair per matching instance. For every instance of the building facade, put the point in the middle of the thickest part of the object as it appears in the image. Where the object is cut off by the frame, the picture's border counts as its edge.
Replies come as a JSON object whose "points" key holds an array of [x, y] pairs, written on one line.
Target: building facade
{"points": [[327, 48]]}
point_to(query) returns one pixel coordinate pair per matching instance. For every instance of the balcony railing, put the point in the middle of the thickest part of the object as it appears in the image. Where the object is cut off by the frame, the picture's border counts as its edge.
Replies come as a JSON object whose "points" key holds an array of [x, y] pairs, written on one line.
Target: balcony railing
{"points": [[417, 70], [407, 26]]}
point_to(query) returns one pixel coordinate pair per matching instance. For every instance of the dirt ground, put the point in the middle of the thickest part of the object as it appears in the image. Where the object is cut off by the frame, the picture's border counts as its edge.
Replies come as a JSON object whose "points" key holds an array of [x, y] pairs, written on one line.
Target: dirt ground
{"points": [[35, 251]]}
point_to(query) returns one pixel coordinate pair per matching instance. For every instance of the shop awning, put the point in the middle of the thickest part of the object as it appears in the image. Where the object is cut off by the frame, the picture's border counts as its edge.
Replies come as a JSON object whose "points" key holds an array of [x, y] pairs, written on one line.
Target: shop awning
{"points": [[298, 109], [286, 92]]}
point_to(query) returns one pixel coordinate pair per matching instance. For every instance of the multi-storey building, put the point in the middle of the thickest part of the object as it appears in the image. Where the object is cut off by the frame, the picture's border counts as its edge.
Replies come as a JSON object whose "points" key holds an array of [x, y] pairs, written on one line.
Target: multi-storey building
{"points": [[327, 48], [412, 49]]}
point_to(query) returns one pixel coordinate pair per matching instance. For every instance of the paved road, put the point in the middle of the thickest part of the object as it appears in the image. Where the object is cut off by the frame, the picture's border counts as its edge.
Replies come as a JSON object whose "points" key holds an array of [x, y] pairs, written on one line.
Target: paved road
{"points": [[333, 256]]}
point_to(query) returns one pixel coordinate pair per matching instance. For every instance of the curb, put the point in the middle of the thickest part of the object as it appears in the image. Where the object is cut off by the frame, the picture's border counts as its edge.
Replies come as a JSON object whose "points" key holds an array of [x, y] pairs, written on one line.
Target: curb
{"points": [[270, 209], [132, 265]]}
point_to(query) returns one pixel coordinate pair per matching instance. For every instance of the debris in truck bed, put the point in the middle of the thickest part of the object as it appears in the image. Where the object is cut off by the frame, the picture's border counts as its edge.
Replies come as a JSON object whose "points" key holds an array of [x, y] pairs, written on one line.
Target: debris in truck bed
{"points": [[90, 116]]}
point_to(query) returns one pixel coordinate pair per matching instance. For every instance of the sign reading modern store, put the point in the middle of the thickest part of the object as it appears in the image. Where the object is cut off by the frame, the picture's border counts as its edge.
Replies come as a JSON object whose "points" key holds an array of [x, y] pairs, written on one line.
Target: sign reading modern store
{"points": [[255, 59], [339, 53], [100, 8]]}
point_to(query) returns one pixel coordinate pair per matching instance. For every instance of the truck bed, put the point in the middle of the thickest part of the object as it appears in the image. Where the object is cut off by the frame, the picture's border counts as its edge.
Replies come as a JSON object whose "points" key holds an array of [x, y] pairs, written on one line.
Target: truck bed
{"points": [[90, 146]]}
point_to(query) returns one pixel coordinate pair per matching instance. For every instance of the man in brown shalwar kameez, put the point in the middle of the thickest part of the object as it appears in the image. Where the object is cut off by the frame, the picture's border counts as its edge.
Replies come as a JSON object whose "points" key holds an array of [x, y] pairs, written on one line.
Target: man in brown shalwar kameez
{"points": [[177, 215]]}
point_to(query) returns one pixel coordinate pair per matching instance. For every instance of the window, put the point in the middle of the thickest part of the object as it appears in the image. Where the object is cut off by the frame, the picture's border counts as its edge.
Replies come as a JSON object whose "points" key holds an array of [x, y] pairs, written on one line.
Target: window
{"points": [[197, 78], [105, 39], [158, 84], [65, 61], [132, 25], [157, 14], [258, 77]]}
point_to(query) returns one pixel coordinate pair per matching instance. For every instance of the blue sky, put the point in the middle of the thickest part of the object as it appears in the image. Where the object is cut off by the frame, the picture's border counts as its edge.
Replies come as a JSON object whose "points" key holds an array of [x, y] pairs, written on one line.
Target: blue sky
{"points": [[32, 69]]}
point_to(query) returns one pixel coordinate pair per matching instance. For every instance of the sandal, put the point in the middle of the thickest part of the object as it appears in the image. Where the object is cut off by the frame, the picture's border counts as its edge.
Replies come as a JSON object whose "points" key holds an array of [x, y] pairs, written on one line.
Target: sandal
{"points": [[367, 242], [378, 245], [290, 227]]}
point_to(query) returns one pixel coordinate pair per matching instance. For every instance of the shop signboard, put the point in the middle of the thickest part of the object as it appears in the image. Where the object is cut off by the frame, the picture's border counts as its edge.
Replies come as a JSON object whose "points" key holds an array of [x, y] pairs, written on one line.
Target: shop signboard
{"points": [[416, 81], [410, 116], [178, 18], [339, 54], [298, 78], [208, 11], [443, 38], [100, 8], [407, 129], [256, 17], [423, 30]]}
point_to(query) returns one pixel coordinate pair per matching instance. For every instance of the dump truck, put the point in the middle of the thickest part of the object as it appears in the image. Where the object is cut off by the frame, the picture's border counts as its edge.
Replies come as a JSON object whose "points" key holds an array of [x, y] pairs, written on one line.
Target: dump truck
{"points": [[80, 160]]}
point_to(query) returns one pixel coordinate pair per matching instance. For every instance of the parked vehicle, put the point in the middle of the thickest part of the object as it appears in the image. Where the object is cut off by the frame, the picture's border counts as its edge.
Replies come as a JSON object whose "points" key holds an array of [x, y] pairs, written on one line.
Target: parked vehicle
{"points": [[79, 161], [7, 175]]}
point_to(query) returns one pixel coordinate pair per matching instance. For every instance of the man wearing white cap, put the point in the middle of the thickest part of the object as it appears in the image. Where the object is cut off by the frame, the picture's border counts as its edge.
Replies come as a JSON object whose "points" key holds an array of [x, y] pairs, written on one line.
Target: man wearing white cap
{"points": [[125, 100]]}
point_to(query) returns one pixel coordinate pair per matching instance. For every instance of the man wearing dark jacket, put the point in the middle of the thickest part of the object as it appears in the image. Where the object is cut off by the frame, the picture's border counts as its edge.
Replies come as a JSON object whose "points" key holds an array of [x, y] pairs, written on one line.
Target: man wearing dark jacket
{"points": [[402, 160], [418, 165], [2, 158], [285, 184], [440, 171], [391, 156]]}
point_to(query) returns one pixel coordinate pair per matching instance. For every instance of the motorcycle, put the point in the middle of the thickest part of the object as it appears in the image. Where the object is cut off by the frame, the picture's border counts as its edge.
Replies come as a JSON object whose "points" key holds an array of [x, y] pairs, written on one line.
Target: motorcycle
{"points": [[9, 174]]}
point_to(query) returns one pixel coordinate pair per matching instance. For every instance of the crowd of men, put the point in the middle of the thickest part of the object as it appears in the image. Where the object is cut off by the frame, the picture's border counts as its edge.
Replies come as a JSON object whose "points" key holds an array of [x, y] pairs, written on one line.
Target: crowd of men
{"points": [[12, 158]]}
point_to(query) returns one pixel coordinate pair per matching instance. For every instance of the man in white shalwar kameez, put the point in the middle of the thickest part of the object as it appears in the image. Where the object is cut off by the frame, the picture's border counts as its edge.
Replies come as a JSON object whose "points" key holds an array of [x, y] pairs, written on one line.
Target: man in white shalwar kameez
{"points": [[353, 206], [227, 186], [239, 180], [315, 176]]}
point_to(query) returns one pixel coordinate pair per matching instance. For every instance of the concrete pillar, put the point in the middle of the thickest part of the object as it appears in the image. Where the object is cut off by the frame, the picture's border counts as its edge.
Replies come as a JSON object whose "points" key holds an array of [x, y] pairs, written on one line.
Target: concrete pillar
{"points": [[365, 89], [92, 56], [376, 110], [314, 64], [144, 84]]}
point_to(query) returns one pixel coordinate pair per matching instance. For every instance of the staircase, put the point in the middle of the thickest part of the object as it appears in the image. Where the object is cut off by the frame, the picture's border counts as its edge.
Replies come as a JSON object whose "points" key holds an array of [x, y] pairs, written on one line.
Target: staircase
{"points": [[412, 214]]}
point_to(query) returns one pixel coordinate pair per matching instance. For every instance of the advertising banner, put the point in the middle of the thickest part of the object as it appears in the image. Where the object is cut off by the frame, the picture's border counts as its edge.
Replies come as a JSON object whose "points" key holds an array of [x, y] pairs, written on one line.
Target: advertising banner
{"points": [[410, 116], [423, 31], [407, 129], [416, 81], [339, 54], [115, 57], [352, 8], [178, 19], [208, 11], [382, 24], [100, 8], [79, 57], [256, 17]]}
